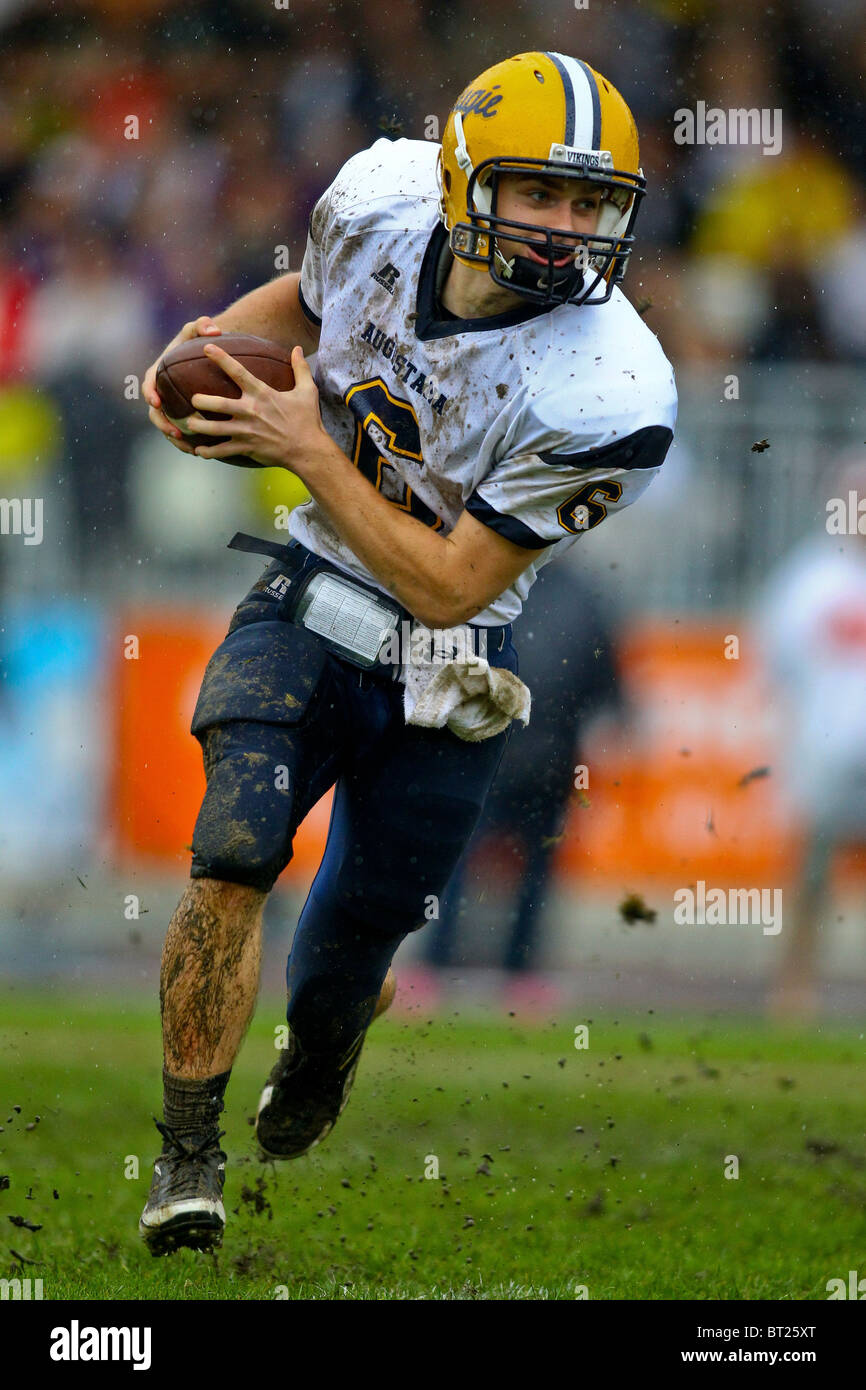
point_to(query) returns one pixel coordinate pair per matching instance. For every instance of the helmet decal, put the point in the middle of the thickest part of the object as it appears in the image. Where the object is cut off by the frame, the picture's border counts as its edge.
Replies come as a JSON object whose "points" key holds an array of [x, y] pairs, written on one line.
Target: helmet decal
{"points": [[477, 99]]}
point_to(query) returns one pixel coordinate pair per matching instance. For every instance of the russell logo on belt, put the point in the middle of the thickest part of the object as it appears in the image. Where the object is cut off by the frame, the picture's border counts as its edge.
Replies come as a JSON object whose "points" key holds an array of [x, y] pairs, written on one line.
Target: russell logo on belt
{"points": [[279, 586]]}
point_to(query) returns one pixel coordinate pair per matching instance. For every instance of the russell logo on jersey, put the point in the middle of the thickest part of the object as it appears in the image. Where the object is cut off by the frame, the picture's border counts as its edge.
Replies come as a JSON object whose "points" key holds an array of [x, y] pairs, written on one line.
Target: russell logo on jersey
{"points": [[386, 277]]}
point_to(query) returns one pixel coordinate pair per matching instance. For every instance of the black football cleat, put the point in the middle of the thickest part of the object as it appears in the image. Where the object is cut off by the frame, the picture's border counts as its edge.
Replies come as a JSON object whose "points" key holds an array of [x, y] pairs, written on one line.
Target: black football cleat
{"points": [[305, 1095], [184, 1206], [307, 1092]]}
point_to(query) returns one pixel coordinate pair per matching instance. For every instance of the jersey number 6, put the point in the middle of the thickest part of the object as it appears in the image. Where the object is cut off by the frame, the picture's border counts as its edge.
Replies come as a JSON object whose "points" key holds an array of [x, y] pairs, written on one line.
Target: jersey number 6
{"points": [[584, 510], [386, 423]]}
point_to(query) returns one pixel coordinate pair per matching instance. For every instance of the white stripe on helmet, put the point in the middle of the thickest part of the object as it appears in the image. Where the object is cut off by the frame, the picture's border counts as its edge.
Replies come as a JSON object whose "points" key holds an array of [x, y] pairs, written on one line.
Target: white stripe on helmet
{"points": [[582, 94]]}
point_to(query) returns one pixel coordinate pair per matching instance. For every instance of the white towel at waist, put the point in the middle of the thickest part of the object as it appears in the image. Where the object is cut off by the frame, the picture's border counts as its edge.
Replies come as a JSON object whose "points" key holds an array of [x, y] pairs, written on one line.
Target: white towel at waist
{"points": [[447, 685]]}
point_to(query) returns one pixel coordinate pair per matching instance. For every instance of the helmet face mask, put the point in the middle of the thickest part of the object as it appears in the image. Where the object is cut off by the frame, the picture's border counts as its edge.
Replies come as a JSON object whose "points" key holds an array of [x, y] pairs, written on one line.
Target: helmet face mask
{"points": [[549, 116], [598, 258]]}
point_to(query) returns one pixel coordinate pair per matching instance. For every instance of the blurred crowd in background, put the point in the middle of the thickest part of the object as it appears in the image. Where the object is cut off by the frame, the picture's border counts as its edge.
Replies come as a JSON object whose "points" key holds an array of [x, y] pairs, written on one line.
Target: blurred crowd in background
{"points": [[246, 109]]}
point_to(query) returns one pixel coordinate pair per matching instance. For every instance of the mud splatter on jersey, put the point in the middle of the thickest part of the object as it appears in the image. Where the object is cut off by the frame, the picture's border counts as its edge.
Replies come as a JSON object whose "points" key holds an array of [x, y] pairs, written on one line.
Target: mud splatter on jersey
{"points": [[539, 422]]}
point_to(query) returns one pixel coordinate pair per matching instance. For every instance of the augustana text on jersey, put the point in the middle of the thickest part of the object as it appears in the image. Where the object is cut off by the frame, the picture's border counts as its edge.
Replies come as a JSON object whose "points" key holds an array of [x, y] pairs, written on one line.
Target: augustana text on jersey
{"points": [[404, 367]]}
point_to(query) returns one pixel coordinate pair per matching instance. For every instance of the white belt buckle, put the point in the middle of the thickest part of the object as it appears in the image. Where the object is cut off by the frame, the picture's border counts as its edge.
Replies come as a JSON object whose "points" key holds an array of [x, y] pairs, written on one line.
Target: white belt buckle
{"points": [[349, 618]]}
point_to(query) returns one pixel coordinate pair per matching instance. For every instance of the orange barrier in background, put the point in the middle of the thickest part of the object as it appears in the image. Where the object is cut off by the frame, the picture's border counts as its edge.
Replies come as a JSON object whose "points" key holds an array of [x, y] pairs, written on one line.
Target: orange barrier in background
{"points": [[666, 797], [690, 790], [156, 779]]}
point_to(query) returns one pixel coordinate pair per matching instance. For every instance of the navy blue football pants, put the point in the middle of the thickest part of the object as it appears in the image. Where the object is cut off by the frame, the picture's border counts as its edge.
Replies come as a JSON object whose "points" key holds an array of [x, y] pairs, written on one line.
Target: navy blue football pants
{"points": [[280, 720]]}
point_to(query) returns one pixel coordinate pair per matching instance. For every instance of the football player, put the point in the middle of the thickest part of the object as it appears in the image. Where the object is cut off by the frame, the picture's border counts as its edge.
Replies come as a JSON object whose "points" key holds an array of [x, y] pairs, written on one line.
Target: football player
{"points": [[483, 395]]}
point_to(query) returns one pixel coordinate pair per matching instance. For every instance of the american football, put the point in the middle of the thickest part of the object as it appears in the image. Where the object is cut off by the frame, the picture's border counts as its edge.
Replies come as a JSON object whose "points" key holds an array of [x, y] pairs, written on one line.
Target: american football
{"points": [[185, 371]]}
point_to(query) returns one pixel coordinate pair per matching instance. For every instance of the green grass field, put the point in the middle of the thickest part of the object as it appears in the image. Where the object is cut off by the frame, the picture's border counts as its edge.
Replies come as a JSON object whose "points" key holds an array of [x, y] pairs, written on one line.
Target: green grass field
{"points": [[558, 1168]]}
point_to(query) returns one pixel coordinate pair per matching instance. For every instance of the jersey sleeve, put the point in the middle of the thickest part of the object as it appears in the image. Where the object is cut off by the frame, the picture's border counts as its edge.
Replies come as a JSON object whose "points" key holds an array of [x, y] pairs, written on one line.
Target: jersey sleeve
{"points": [[538, 498], [370, 181], [313, 283], [321, 234]]}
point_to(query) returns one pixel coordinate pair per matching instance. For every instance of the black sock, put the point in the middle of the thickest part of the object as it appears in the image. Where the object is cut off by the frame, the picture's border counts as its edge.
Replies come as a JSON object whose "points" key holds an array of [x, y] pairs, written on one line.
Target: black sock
{"points": [[192, 1108]]}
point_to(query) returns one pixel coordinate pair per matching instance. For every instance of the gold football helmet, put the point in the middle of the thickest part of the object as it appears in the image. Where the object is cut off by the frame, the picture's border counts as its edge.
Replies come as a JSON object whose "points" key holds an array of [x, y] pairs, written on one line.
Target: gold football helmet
{"points": [[550, 114]]}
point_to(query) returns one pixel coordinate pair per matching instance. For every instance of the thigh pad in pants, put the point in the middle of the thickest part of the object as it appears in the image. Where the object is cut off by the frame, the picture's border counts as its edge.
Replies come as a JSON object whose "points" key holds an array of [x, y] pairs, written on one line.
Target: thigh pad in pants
{"points": [[257, 719]]}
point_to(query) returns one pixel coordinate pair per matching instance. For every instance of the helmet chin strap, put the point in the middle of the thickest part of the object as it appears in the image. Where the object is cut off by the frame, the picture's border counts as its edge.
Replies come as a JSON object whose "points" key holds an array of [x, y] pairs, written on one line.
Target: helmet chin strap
{"points": [[523, 273], [505, 268]]}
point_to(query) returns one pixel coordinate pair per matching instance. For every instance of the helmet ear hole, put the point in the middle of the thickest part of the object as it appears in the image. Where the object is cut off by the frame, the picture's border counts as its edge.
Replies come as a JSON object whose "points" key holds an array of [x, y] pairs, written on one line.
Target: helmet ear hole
{"points": [[447, 180]]}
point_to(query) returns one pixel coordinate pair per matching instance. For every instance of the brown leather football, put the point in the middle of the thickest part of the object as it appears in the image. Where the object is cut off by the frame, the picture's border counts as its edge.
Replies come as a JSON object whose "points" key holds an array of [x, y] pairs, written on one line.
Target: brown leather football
{"points": [[186, 371]]}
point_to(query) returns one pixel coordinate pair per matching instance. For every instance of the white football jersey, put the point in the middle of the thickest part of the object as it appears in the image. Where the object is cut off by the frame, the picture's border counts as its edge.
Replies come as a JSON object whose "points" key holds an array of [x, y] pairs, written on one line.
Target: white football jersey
{"points": [[539, 422]]}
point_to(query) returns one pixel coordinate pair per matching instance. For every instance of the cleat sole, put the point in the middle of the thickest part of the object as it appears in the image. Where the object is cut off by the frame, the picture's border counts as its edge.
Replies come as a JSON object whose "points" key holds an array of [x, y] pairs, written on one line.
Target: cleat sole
{"points": [[202, 1232]]}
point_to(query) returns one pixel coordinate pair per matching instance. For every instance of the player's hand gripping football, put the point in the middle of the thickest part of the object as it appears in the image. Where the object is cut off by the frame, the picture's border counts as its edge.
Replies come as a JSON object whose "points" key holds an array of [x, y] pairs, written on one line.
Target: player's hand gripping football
{"points": [[202, 327], [275, 428]]}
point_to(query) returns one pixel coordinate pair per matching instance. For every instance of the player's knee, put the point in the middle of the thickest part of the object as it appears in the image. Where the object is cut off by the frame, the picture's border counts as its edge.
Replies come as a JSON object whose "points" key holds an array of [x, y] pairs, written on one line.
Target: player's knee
{"points": [[217, 896], [243, 831]]}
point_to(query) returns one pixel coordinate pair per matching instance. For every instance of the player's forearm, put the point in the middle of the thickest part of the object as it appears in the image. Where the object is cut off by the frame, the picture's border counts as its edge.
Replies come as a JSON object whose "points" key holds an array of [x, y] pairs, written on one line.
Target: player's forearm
{"points": [[412, 562], [272, 311]]}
